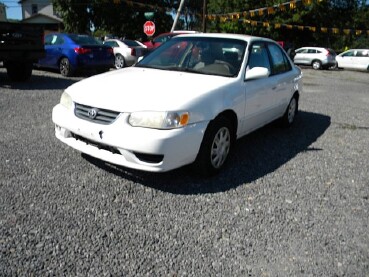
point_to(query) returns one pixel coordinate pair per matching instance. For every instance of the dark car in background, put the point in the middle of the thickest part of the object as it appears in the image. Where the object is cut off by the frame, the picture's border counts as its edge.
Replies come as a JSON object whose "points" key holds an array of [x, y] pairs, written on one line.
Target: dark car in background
{"points": [[164, 37], [70, 53]]}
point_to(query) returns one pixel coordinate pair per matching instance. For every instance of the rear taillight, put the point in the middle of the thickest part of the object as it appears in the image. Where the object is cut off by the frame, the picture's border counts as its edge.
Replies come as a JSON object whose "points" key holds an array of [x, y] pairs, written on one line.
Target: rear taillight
{"points": [[133, 52], [110, 50], [81, 50]]}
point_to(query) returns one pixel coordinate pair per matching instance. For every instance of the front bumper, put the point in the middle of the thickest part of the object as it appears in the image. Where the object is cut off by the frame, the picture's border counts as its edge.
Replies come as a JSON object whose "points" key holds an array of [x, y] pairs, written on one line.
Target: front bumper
{"points": [[133, 147]]}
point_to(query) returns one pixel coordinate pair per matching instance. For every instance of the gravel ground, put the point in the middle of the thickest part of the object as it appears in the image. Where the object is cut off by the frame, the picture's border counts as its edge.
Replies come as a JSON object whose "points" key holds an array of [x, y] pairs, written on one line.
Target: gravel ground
{"points": [[292, 202]]}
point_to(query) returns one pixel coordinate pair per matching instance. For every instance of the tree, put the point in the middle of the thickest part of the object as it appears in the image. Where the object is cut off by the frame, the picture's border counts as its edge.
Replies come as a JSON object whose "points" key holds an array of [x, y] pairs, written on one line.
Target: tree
{"points": [[75, 14], [312, 22]]}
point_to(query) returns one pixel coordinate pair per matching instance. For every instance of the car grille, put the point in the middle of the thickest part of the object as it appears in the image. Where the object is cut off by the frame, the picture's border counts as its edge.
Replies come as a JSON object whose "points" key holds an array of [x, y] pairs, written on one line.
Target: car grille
{"points": [[96, 115]]}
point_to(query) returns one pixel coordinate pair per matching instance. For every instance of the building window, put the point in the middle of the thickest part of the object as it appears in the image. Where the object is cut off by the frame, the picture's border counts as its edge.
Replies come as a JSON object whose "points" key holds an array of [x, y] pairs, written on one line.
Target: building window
{"points": [[34, 9]]}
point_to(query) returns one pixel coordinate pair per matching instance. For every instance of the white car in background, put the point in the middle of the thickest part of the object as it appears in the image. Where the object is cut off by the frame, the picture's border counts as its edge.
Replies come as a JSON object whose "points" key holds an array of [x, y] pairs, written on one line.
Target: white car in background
{"points": [[354, 59], [192, 98], [317, 57], [126, 51]]}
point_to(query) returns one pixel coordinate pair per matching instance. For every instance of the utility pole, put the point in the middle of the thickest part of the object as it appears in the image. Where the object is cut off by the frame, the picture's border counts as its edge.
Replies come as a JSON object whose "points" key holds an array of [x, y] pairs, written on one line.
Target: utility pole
{"points": [[177, 15], [204, 12]]}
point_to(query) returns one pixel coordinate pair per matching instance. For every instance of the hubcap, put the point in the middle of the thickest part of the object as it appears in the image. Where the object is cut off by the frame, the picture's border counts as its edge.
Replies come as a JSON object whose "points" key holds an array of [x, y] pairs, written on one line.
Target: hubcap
{"points": [[316, 65], [220, 147]]}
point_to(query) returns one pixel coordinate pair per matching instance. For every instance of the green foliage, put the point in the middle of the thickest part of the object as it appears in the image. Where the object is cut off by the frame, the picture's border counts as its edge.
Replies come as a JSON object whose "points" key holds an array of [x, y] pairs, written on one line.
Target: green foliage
{"points": [[122, 18], [341, 14], [126, 18]]}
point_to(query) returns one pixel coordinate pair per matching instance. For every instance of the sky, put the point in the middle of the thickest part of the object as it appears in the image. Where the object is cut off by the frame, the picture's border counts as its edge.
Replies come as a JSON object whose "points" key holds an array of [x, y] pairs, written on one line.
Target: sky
{"points": [[13, 10]]}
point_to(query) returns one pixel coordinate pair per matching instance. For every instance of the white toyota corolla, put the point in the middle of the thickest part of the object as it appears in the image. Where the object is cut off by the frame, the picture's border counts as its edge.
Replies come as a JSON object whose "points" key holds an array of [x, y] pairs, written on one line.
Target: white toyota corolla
{"points": [[186, 102]]}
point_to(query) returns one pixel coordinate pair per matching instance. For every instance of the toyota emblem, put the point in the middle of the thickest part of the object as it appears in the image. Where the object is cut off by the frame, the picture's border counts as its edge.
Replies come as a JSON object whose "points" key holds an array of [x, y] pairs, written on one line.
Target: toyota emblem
{"points": [[92, 113]]}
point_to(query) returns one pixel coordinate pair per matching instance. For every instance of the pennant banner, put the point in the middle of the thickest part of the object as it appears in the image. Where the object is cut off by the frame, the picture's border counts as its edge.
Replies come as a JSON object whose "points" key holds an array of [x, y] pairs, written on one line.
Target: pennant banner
{"points": [[335, 31]]}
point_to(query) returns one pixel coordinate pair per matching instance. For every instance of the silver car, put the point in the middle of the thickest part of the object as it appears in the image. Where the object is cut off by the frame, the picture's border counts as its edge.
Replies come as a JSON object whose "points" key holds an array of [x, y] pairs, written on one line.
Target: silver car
{"points": [[317, 57], [357, 59]]}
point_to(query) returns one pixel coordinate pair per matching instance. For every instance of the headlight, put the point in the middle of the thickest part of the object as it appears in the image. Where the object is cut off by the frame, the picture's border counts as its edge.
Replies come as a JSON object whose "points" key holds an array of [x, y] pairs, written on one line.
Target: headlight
{"points": [[159, 120], [66, 101]]}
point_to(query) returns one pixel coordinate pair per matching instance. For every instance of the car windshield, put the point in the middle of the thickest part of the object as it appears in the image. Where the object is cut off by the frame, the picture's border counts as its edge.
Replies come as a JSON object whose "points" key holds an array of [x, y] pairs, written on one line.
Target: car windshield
{"points": [[202, 55], [84, 39]]}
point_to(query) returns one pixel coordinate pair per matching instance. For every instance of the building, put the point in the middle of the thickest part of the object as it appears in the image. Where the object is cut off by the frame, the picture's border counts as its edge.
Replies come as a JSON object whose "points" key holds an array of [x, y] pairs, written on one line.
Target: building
{"points": [[2, 12], [41, 12]]}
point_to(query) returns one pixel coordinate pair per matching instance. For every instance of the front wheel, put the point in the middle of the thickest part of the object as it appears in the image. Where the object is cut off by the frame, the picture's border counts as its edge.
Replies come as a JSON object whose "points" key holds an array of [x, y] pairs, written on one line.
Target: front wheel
{"points": [[215, 147]]}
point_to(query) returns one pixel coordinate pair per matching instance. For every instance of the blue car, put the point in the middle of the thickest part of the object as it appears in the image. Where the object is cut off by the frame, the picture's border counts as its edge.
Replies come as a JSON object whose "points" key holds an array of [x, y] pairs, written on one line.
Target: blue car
{"points": [[70, 53]]}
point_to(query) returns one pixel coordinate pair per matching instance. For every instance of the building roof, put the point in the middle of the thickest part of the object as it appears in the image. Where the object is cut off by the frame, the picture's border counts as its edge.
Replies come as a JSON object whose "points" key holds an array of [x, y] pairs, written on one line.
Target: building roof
{"points": [[42, 18]]}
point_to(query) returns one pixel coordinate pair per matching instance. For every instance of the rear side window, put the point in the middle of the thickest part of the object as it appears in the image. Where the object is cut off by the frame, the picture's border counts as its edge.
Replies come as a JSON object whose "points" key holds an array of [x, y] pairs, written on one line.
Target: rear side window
{"points": [[130, 43], [84, 39], [362, 53], [280, 62]]}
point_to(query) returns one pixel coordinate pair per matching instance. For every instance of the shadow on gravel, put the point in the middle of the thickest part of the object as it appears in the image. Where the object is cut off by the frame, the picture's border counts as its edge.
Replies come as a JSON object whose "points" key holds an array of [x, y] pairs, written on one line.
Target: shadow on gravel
{"points": [[255, 156], [37, 82]]}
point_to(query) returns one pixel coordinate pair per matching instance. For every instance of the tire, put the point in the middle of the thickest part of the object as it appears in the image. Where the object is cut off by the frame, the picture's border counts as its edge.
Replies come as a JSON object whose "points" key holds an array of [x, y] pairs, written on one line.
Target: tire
{"points": [[289, 116], [215, 147], [317, 65], [65, 67], [19, 72], [119, 61]]}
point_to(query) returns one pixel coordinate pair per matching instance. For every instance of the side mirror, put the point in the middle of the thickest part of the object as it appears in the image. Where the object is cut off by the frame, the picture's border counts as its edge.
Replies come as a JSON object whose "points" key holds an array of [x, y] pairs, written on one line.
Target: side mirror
{"points": [[257, 73]]}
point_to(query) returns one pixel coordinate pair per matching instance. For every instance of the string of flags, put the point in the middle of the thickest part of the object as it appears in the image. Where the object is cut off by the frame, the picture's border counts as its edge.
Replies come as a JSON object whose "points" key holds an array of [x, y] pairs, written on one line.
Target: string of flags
{"points": [[243, 18], [314, 29], [262, 11]]}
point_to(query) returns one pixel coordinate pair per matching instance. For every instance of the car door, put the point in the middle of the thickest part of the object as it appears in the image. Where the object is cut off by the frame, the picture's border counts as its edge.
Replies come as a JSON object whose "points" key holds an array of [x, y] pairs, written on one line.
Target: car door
{"points": [[259, 92], [347, 59], [302, 56], [283, 80], [53, 47], [362, 59]]}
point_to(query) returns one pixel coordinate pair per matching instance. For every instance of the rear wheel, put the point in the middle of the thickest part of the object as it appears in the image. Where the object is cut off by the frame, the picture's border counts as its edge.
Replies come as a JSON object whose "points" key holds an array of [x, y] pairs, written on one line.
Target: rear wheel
{"points": [[65, 67], [119, 61], [317, 65], [290, 113], [215, 147]]}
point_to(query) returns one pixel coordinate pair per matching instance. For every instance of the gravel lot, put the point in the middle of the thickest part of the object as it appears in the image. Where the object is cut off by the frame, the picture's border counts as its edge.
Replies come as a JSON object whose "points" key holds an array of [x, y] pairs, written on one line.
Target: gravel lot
{"points": [[292, 202]]}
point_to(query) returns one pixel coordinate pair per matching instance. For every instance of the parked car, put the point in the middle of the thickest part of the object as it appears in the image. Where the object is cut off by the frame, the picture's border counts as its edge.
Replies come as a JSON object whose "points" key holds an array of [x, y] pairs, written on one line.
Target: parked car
{"points": [[126, 51], [164, 37], [354, 59], [317, 57], [71, 52], [185, 108]]}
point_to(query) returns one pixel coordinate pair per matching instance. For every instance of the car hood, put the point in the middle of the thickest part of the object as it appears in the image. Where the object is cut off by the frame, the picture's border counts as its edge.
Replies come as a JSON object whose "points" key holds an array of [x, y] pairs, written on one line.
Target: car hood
{"points": [[131, 89]]}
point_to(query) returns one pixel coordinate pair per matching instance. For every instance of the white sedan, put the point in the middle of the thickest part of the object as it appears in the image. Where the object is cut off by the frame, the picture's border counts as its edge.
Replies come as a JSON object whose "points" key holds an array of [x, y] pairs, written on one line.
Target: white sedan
{"points": [[354, 59], [184, 103], [126, 51]]}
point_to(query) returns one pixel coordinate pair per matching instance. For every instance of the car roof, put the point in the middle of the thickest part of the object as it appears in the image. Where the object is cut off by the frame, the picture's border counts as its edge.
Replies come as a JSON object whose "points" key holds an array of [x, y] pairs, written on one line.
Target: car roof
{"points": [[313, 47], [244, 37]]}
